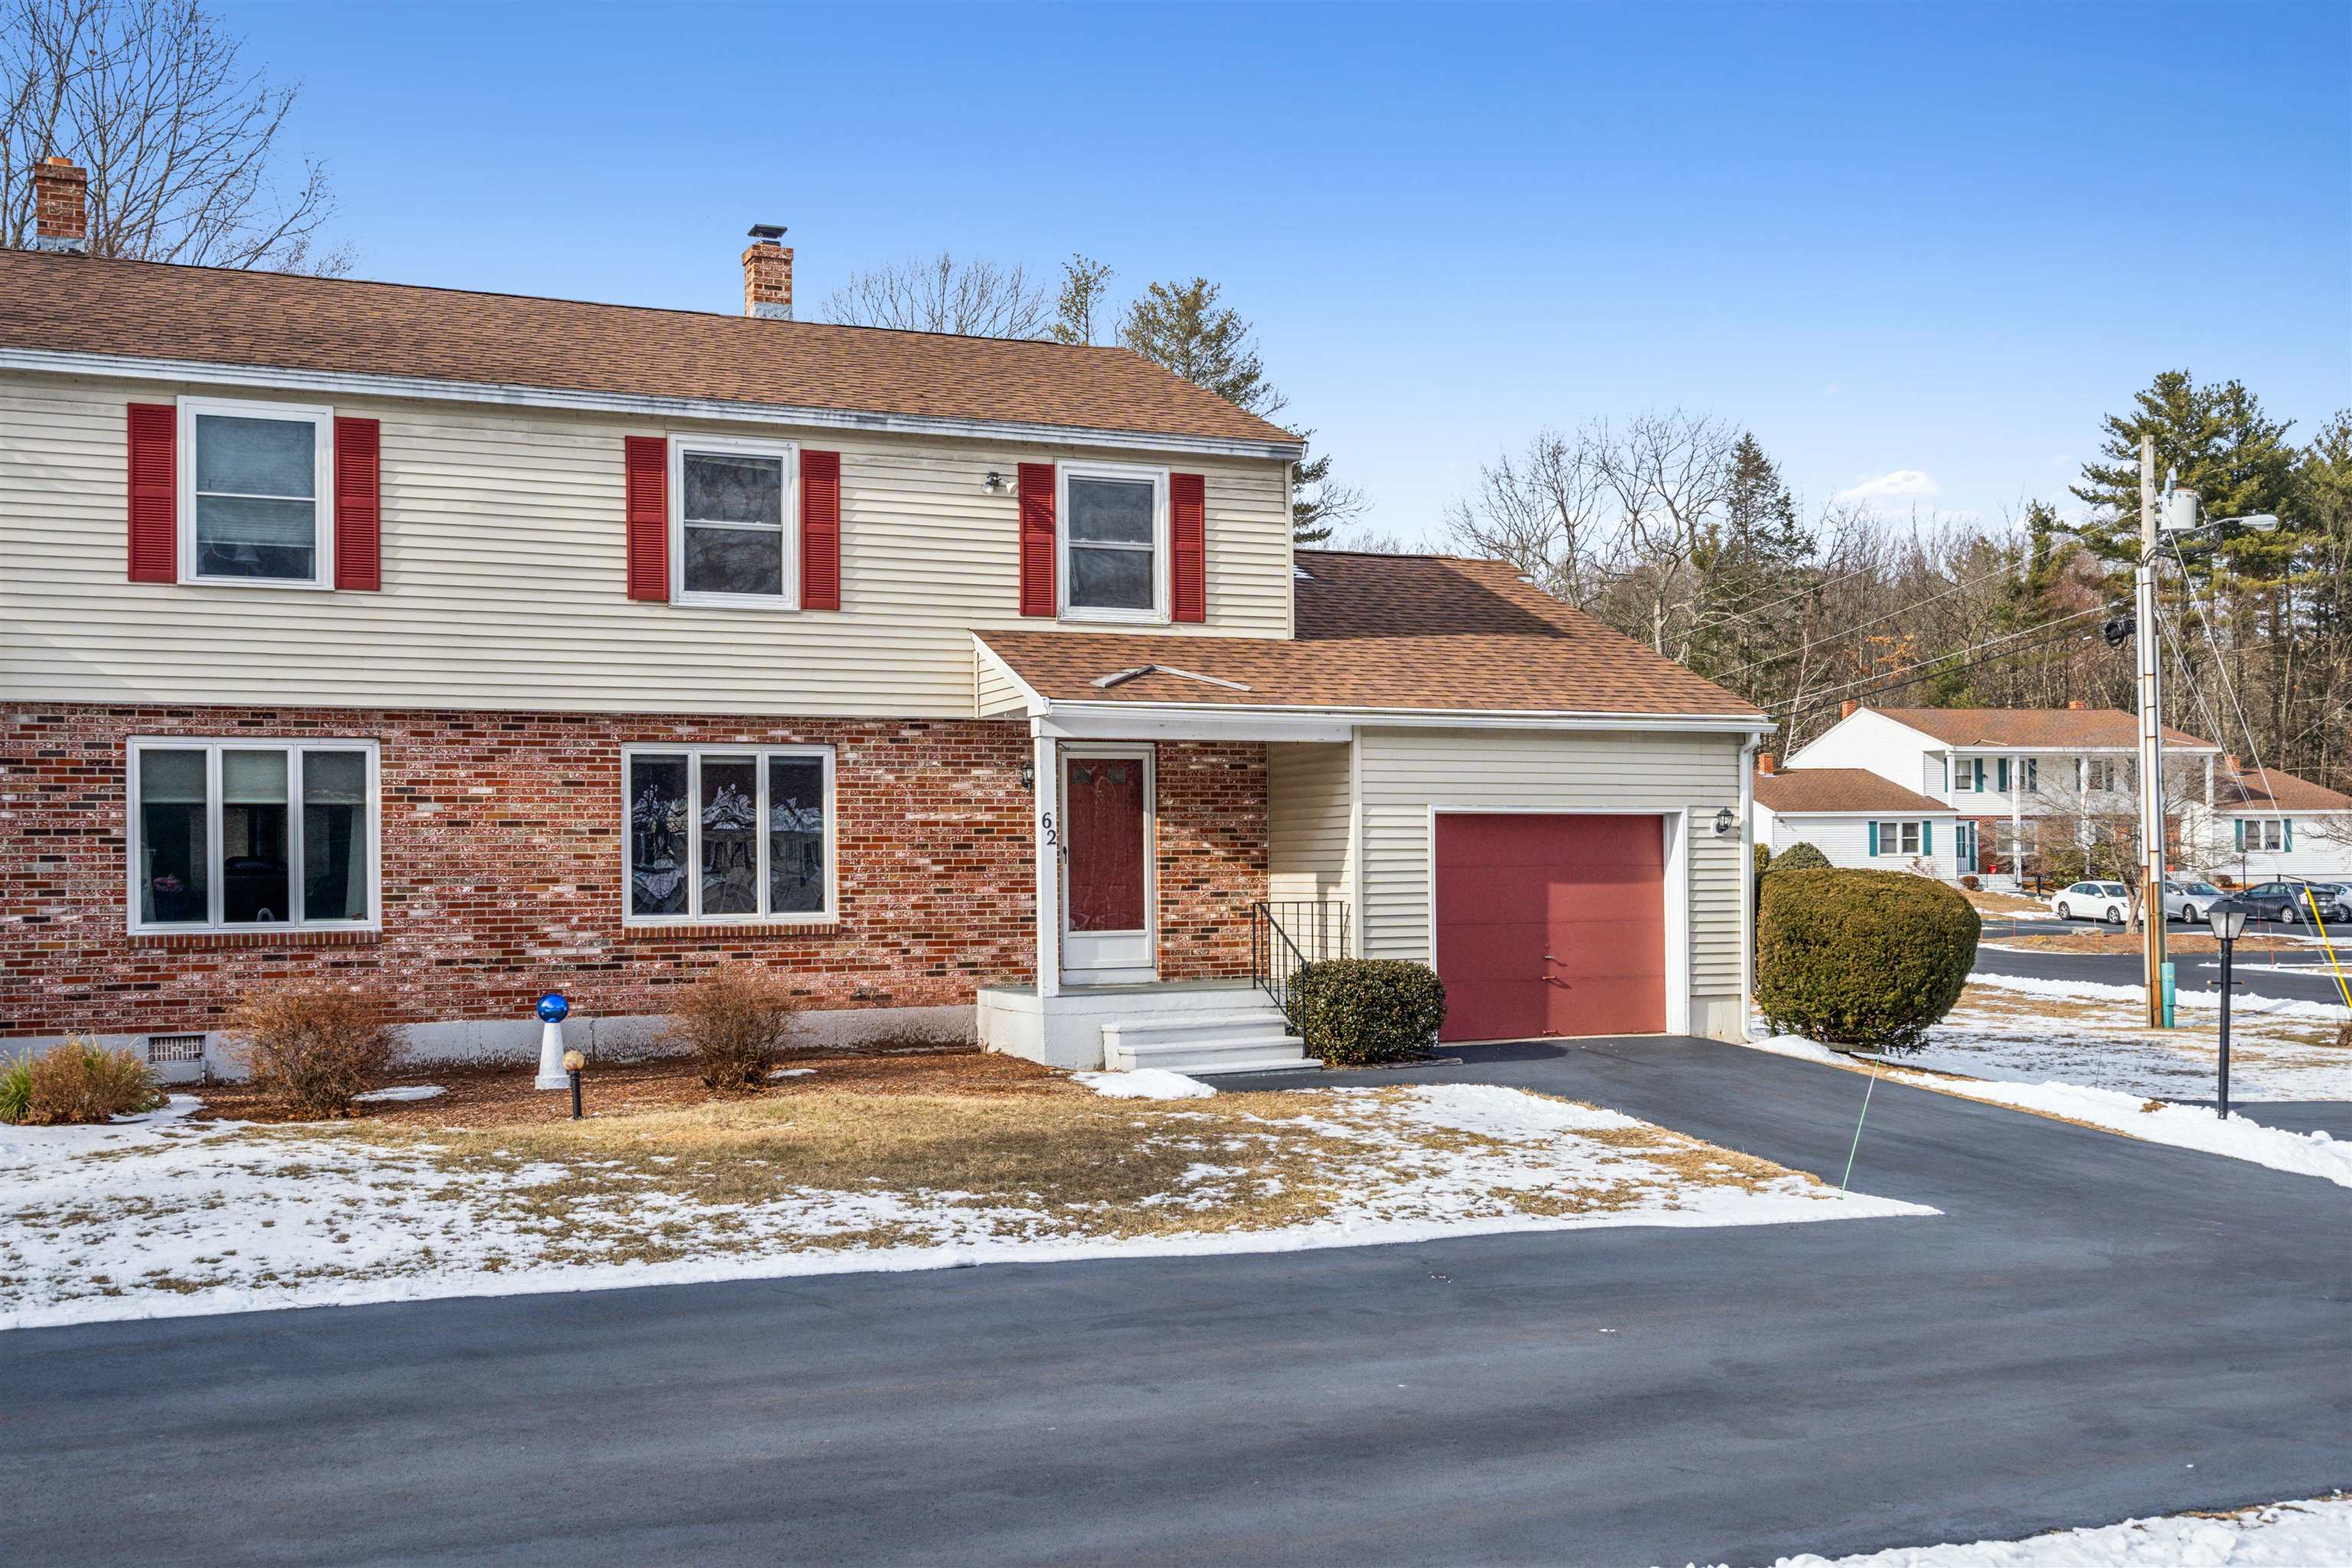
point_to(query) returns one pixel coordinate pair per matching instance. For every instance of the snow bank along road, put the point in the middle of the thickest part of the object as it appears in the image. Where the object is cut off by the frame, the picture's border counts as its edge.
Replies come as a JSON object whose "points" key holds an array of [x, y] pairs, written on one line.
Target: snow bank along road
{"points": [[2095, 1329]]}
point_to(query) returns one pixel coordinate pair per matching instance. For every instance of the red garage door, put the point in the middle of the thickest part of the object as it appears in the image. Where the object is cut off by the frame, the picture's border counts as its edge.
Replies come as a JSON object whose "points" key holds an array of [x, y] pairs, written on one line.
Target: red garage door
{"points": [[1551, 925]]}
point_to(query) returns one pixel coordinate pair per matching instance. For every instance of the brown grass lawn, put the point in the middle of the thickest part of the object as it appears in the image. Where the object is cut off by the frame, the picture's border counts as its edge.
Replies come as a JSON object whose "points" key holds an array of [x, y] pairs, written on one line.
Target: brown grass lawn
{"points": [[876, 1148], [2177, 939]]}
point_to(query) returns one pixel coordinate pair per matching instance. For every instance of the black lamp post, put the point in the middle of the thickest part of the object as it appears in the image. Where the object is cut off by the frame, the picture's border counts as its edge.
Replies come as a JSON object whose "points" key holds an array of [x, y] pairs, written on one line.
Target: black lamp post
{"points": [[572, 1062], [2228, 919]]}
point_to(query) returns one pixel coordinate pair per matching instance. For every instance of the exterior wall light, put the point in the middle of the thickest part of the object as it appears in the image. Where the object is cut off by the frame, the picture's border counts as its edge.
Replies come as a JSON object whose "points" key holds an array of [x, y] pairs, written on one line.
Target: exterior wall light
{"points": [[1724, 822]]}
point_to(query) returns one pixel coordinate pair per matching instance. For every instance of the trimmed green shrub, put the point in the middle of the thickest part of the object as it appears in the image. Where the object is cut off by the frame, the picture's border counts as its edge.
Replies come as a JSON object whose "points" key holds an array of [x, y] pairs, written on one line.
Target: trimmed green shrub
{"points": [[1800, 857], [1358, 1011], [1861, 958], [1763, 854], [79, 1081]]}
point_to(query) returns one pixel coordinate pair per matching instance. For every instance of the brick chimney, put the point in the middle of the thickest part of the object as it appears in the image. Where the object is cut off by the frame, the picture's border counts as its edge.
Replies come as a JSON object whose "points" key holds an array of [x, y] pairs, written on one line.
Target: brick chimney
{"points": [[768, 274], [1766, 762], [2076, 706], [1846, 708], [2230, 761], [60, 206]]}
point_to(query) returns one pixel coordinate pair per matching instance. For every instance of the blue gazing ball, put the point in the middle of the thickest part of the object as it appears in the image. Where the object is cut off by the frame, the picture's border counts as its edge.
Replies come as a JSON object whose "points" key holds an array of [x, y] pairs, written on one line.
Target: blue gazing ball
{"points": [[553, 1007]]}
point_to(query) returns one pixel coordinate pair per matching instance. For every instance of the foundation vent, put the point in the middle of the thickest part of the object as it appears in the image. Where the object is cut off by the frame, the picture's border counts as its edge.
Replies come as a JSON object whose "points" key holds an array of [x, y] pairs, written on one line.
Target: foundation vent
{"points": [[162, 1049]]}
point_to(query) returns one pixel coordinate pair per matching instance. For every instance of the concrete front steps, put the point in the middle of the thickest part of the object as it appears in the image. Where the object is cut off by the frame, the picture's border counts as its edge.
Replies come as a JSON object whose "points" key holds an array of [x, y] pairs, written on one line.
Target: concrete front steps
{"points": [[1229, 1041]]}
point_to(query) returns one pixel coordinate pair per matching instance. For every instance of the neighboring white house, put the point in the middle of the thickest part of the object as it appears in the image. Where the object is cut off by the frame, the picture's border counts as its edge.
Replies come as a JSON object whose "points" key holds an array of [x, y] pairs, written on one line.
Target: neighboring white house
{"points": [[2023, 779], [2266, 824], [1858, 819]]}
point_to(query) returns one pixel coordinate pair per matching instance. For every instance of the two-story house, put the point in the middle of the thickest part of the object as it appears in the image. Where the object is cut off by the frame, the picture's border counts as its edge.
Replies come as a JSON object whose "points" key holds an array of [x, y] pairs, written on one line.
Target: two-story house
{"points": [[460, 646], [2023, 782]]}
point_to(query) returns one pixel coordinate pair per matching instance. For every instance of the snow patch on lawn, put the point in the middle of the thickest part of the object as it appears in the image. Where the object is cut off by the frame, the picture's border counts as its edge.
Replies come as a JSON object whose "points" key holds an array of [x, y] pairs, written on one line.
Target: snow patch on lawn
{"points": [[405, 1091], [1144, 1083], [2210, 1001], [168, 1218], [2313, 1534]]}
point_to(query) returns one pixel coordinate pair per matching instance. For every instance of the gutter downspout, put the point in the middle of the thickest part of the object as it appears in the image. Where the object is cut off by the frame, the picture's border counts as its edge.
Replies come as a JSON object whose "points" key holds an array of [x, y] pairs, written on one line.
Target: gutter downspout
{"points": [[1747, 882]]}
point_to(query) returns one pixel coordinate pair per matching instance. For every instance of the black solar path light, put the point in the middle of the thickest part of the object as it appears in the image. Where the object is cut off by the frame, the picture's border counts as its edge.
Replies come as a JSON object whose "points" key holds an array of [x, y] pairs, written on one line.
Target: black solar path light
{"points": [[2228, 919]]}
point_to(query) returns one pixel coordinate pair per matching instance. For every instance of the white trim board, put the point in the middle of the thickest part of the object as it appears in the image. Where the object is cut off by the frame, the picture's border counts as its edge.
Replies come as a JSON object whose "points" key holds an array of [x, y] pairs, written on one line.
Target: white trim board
{"points": [[368, 385]]}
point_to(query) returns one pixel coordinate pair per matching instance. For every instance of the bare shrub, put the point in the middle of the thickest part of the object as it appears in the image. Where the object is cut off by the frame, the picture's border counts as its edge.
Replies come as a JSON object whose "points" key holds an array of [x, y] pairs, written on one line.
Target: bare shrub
{"points": [[80, 1081], [312, 1050], [735, 1021], [2344, 1037]]}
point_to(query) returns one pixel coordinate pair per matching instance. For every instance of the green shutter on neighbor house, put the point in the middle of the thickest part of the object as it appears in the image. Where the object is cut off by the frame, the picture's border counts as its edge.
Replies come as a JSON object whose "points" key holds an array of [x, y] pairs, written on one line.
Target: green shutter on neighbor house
{"points": [[2002, 774], [1927, 839], [1977, 769], [1874, 838], [2239, 824], [2286, 834]]}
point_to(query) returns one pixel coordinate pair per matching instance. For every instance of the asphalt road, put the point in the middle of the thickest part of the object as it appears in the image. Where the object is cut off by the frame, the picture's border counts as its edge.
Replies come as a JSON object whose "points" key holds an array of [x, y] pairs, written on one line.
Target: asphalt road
{"points": [[2093, 1328], [2296, 972]]}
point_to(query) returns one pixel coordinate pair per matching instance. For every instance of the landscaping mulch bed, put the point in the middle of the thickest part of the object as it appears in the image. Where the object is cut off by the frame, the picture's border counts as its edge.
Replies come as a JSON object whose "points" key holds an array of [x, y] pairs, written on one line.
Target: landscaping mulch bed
{"points": [[494, 1095]]}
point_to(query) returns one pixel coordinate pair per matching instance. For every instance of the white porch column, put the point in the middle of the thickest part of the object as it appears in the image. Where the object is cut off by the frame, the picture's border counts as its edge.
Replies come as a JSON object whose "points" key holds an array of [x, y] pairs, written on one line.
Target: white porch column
{"points": [[2017, 817], [1048, 827]]}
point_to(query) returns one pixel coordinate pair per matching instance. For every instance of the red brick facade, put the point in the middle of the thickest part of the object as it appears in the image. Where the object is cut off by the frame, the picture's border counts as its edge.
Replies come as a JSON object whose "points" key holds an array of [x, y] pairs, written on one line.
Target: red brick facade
{"points": [[502, 868]]}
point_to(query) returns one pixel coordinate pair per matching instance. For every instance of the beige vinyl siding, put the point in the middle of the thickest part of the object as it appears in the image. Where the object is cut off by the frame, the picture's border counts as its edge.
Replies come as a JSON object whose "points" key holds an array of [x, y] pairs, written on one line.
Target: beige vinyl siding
{"points": [[1403, 773], [504, 585], [1309, 810], [992, 692]]}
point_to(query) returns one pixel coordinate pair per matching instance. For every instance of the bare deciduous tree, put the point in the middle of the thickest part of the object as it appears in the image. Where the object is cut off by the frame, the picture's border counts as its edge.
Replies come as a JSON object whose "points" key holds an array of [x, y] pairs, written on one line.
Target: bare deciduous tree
{"points": [[181, 139], [970, 298], [1541, 511]]}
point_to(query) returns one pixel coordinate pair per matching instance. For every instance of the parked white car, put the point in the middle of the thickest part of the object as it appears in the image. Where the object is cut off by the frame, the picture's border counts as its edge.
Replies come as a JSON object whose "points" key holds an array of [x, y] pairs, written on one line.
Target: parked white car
{"points": [[2108, 901], [2185, 901]]}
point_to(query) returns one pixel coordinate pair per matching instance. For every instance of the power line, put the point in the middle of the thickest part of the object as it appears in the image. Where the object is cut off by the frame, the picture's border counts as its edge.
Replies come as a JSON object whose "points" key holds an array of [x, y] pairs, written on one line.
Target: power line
{"points": [[1811, 644], [1981, 655], [1802, 593]]}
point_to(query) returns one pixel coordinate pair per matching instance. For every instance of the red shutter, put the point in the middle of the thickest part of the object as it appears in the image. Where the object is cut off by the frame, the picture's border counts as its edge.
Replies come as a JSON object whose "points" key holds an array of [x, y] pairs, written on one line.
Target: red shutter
{"points": [[1189, 546], [1037, 597], [820, 531], [646, 463], [154, 481], [358, 507]]}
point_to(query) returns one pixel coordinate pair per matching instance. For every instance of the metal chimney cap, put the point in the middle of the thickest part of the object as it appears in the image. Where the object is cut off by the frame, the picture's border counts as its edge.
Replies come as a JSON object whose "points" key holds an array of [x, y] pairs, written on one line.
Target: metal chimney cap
{"points": [[767, 231]]}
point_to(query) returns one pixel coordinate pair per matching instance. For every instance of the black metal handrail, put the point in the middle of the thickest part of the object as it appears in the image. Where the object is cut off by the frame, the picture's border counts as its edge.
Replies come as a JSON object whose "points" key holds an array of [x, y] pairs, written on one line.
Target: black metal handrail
{"points": [[1287, 935]]}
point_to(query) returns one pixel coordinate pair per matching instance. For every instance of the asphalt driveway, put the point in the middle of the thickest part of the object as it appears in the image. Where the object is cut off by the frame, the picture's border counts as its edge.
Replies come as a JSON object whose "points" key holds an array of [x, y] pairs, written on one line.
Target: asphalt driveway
{"points": [[2093, 1328]]}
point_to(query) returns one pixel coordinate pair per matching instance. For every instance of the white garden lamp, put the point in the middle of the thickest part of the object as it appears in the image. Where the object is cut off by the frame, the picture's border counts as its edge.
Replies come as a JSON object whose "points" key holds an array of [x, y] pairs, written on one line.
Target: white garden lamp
{"points": [[2228, 919], [552, 1010]]}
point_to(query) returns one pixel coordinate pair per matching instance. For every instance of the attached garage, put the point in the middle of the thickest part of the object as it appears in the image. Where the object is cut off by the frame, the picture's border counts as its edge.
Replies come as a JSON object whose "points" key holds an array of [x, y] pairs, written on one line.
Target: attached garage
{"points": [[1551, 923]]}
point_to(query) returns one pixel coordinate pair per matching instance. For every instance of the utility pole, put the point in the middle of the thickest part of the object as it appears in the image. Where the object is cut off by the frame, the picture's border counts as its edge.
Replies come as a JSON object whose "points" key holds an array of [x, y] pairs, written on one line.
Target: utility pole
{"points": [[2151, 740]]}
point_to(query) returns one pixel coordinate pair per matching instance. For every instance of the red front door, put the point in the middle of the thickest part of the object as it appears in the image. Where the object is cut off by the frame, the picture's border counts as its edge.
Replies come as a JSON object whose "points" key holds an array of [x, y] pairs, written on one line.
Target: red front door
{"points": [[1550, 924], [1105, 806]]}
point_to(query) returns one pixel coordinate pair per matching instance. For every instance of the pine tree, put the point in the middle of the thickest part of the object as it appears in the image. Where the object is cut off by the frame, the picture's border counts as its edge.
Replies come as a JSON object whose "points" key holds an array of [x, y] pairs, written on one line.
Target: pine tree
{"points": [[1751, 568], [1084, 283]]}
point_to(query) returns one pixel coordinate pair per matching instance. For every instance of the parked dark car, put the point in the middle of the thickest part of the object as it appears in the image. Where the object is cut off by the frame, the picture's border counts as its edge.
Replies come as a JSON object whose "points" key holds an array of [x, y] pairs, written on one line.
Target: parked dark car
{"points": [[2285, 902]]}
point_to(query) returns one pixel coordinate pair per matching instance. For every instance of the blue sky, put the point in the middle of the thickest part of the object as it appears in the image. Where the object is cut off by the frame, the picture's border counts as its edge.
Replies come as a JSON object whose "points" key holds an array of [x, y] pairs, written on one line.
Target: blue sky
{"points": [[1890, 240]]}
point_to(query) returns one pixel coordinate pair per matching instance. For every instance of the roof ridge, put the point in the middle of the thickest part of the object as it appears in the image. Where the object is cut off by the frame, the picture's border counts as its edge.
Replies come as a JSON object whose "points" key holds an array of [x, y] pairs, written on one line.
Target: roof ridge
{"points": [[72, 258]]}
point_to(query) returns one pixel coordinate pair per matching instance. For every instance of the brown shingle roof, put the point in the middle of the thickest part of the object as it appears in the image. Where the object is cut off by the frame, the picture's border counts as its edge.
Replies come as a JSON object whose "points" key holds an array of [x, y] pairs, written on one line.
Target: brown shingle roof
{"points": [[86, 304], [1386, 632], [2056, 728], [1839, 789], [2285, 791]]}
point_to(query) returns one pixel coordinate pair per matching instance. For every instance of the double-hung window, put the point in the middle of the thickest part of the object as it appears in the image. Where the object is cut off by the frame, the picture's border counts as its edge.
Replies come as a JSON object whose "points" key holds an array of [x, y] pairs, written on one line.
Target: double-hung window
{"points": [[252, 835], [255, 483], [1114, 544], [727, 833], [732, 515], [1897, 838], [2261, 833]]}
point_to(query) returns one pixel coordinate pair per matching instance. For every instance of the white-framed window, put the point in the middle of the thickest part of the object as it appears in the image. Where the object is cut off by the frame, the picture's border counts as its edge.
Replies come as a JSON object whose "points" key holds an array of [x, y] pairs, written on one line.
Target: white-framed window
{"points": [[256, 483], [252, 834], [1963, 773], [716, 833], [2102, 773], [1113, 525], [2261, 833], [733, 533], [1898, 838]]}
